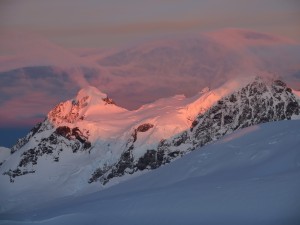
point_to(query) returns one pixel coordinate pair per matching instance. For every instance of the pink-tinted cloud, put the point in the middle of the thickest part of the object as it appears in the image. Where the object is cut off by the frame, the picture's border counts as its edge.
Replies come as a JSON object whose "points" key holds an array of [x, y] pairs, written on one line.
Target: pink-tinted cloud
{"points": [[139, 74], [26, 110], [241, 38], [21, 49]]}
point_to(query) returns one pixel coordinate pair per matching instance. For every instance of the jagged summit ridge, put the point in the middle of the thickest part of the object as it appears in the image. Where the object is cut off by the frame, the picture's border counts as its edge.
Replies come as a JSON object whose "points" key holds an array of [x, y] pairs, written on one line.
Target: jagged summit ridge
{"points": [[87, 101], [111, 142], [257, 102], [93, 96]]}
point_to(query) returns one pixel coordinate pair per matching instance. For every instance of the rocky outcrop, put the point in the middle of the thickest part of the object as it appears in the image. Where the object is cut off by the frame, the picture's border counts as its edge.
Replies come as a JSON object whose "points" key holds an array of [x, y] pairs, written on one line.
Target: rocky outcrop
{"points": [[38, 128], [17, 172], [126, 163], [108, 101], [68, 112], [57, 133], [61, 138], [65, 129], [254, 104], [73, 134]]}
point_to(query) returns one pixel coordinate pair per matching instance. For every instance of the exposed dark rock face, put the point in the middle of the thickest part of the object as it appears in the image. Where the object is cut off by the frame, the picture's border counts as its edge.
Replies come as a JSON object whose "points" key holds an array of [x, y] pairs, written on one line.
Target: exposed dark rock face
{"points": [[63, 131], [46, 125], [72, 134], [194, 123], [23, 141], [1, 163], [97, 173], [108, 101], [126, 162], [58, 115], [62, 138], [151, 160], [17, 172], [54, 140], [144, 127], [254, 104]]}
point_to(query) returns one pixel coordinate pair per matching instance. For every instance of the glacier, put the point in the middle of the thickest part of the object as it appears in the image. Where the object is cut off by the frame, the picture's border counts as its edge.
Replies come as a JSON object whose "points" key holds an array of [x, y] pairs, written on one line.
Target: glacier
{"points": [[248, 177]]}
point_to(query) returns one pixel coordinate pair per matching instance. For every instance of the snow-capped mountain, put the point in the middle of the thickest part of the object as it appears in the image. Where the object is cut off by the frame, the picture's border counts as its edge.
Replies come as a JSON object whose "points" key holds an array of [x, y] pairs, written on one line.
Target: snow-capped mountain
{"points": [[253, 104], [90, 138], [248, 177]]}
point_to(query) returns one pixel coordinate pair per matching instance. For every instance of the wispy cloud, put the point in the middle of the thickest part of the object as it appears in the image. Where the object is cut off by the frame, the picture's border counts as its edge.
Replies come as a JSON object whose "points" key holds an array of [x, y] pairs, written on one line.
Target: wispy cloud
{"points": [[20, 49], [26, 109], [143, 73]]}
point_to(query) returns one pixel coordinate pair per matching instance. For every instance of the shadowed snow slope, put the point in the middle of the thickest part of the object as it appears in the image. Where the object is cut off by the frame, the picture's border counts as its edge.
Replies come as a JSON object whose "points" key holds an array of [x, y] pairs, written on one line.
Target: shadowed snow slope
{"points": [[4, 154], [248, 177]]}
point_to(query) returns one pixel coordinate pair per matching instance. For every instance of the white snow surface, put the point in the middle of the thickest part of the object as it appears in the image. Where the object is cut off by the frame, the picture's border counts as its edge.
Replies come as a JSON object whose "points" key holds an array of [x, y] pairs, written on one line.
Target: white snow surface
{"points": [[4, 153], [249, 177]]}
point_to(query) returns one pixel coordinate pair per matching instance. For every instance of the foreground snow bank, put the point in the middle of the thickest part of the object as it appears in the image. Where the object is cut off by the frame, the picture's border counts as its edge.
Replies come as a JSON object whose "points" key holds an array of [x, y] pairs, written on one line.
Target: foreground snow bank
{"points": [[249, 177]]}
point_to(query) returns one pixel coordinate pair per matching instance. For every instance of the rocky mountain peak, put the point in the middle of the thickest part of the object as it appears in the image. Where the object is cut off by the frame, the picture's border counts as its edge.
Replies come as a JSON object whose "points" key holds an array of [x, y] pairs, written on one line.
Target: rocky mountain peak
{"points": [[257, 102], [116, 143], [75, 110], [92, 96]]}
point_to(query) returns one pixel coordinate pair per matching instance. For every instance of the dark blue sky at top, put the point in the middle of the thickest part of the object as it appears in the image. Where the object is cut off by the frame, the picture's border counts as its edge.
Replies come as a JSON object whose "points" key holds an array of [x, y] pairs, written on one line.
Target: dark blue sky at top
{"points": [[10, 135]]}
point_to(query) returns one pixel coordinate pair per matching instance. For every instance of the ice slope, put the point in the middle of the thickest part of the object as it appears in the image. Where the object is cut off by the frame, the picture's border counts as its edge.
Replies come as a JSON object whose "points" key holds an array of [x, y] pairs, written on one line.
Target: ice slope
{"points": [[4, 154], [248, 177]]}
